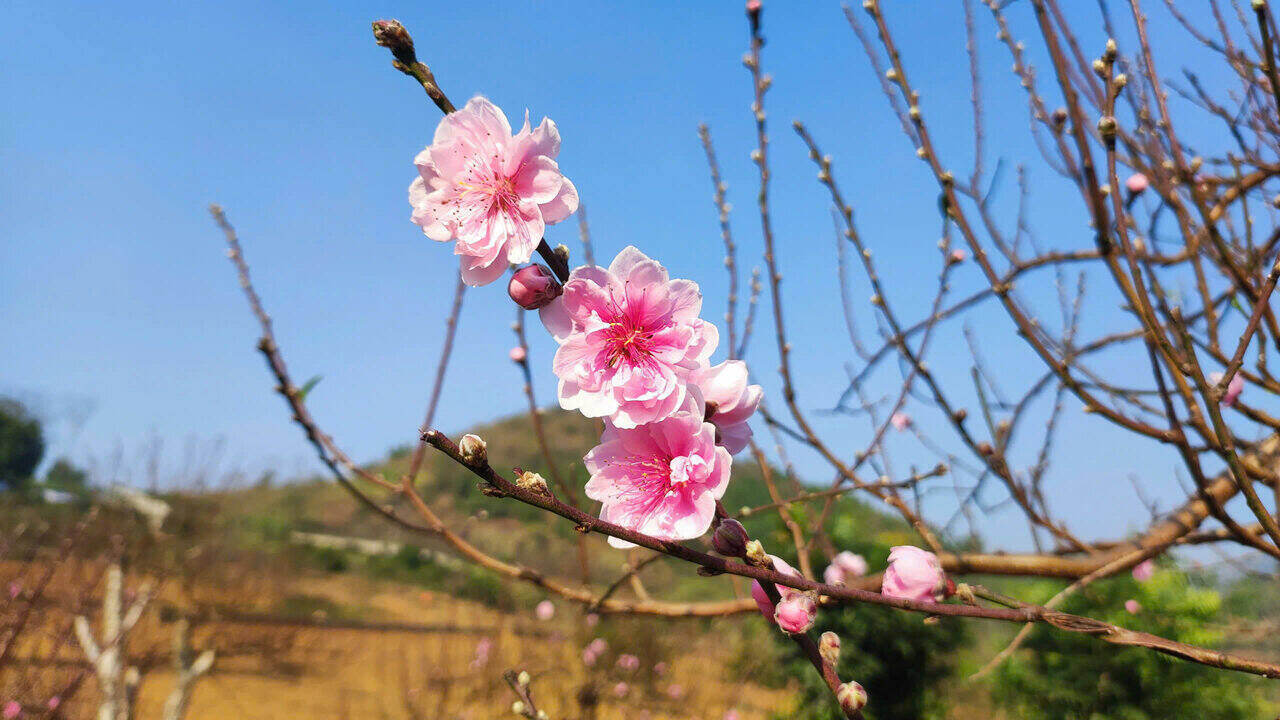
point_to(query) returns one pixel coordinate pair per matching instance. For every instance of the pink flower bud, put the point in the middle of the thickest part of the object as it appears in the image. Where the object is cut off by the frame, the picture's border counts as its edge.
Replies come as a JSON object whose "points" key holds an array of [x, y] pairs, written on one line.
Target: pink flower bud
{"points": [[54, 702], [620, 690], [1136, 183], [11, 710], [753, 6], [829, 648], [15, 589], [852, 697], [545, 610], [913, 574], [589, 658], [660, 669], [598, 646], [628, 662], [533, 286], [957, 255], [1234, 388], [1132, 606], [518, 354], [762, 598], [900, 421], [796, 614], [730, 538], [592, 620], [1143, 571], [844, 567]]}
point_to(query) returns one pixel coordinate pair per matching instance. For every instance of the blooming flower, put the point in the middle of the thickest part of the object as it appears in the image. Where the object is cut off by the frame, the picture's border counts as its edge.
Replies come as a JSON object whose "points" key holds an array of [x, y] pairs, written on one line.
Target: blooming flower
{"points": [[628, 662], [785, 593], [844, 566], [1234, 388], [729, 401], [660, 479], [598, 646], [1133, 607], [621, 689], [11, 710], [1143, 571], [913, 574], [545, 610], [588, 657], [492, 192], [1137, 182], [630, 338]]}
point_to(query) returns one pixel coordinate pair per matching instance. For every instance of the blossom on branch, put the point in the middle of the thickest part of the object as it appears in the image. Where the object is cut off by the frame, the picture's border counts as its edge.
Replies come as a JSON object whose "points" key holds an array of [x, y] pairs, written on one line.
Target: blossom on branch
{"points": [[729, 402], [661, 479], [913, 574], [630, 340], [785, 593], [492, 192], [844, 567]]}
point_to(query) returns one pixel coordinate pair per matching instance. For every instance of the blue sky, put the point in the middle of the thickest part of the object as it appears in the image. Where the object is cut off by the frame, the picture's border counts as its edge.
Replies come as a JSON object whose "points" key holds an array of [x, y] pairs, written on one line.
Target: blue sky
{"points": [[125, 120]]}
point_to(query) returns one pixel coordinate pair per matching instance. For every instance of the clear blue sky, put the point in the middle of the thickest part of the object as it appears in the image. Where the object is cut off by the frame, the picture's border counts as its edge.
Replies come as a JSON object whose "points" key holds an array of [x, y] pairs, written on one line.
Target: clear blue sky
{"points": [[124, 120]]}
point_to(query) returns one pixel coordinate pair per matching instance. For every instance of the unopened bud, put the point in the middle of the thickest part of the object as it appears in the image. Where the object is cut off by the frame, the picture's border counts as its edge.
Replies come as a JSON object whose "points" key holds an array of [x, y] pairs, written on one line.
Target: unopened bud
{"points": [[829, 648], [730, 538], [532, 481], [523, 679], [852, 697], [891, 75], [1121, 80], [1110, 52], [473, 449], [391, 34], [795, 615], [1100, 67], [1107, 126], [517, 707], [533, 286], [756, 555]]}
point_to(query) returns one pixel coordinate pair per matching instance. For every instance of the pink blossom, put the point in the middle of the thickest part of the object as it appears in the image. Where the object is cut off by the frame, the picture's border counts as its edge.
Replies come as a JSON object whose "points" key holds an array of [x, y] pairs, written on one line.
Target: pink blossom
{"points": [[483, 649], [660, 479], [675, 691], [753, 6], [900, 421], [54, 702], [11, 710], [729, 402], [628, 662], [533, 287], [589, 658], [621, 689], [844, 566], [796, 614], [731, 714], [598, 646], [1234, 388], [592, 620], [15, 589], [913, 574], [1143, 571], [660, 668], [630, 339], [957, 255], [785, 593], [1133, 607], [545, 610], [492, 192], [1137, 182], [518, 354]]}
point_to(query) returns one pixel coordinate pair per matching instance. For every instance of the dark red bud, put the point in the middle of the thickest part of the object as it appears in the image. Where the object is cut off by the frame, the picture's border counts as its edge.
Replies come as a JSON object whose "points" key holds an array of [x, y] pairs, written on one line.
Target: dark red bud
{"points": [[533, 287]]}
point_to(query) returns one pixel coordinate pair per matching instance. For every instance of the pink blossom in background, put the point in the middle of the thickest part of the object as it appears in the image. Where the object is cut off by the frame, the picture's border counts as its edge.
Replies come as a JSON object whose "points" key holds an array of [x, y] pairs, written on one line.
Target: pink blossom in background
{"points": [[592, 620], [844, 567], [1137, 182], [731, 714], [1143, 571], [660, 669], [630, 338], [545, 610], [730, 401], [54, 702], [628, 662], [620, 690], [796, 614], [1133, 607], [11, 710], [518, 354], [660, 479], [675, 691], [15, 589], [492, 192], [900, 421], [913, 574], [1234, 388], [589, 658], [598, 646], [784, 593], [483, 648]]}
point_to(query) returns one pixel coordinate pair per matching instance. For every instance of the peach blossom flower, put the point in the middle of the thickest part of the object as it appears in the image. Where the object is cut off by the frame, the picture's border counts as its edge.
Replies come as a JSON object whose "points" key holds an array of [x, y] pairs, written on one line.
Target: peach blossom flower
{"points": [[620, 690], [11, 710], [598, 646], [588, 657], [592, 620], [1133, 607], [660, 668], [795, 615], [492, 192], [660, 479], [1143, 571], [483, 648], [900, 421], [628, 662], [729, 402], [1137, 182], [1234, 388], [784, 593], [844, 566], [630, 339], [913, 574]]}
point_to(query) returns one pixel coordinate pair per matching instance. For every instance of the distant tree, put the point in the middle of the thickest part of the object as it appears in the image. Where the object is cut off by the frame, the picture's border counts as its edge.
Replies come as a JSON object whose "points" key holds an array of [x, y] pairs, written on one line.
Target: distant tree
{"points": [[21, 444], [65, 476]]}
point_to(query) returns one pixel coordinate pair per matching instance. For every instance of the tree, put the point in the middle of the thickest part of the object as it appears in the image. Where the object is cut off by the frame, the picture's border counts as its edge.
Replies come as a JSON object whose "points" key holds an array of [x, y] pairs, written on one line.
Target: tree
{"points": [[21, 444]]}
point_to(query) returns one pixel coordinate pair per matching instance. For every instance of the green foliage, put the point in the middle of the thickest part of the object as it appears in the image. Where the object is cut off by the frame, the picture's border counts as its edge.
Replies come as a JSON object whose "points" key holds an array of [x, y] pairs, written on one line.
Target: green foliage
{"points": [[897, 657], [66, 477], [1061, 676], [21, 444]]}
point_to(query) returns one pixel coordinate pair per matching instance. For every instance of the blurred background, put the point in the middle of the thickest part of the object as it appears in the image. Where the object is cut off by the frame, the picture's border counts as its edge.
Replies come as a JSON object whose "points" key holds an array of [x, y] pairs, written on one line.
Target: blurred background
{"points": [[139, 428]]}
